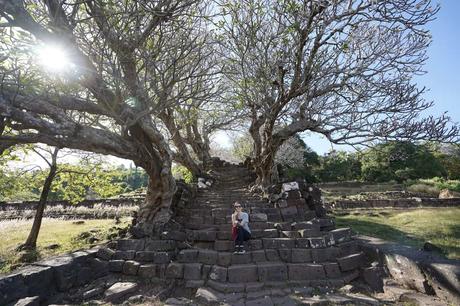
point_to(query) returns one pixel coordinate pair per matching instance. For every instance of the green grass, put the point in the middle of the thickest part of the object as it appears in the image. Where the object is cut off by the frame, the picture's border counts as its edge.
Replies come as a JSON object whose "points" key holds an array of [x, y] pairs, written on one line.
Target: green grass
{"points": [[62, 232], [440, 226]]}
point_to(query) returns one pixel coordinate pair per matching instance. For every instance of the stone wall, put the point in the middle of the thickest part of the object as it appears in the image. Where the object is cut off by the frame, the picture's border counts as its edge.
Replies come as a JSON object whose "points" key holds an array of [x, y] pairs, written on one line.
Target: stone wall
{"points": [[50, 276], [393, 203], [28, 205]]}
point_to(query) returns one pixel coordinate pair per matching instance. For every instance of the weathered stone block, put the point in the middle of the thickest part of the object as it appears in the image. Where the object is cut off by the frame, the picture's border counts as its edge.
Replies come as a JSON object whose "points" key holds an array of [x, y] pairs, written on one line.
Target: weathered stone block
{"points": [[348, 248], [224, 245], [224, 259], [283, 226], [97, 268], [12, 287], [162, 258], [147, 271], [277, 243], [272, 272], [332, 270], [317, 242], [224, 235], [131, 267], [105, 253], [208, 257], [302, 243], [187, 256], [242, 273], [272, 255], [160, 245], [116, 265], [255, 244], [290, 234], [175, 270], [309, 233], [327, 254], [131, 244], [204, 235], [290, 186], [192, 271], [305, 225], [341, 234], [300, 202], [258, 217], [238, 259], [145, 256], [258, 256], [270, 233], [301, 255], [281, 203], [289, 213], [218, 273], [326, 223], [28, 301], [306, 271], [350, 262], [173, 235], [125, 255], [118, 290], [285, 254]]}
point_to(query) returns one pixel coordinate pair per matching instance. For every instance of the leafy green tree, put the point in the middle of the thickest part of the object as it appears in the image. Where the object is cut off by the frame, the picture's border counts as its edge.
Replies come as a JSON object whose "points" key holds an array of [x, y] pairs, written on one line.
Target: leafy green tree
{"points": [[339, 166], [400, 160]]}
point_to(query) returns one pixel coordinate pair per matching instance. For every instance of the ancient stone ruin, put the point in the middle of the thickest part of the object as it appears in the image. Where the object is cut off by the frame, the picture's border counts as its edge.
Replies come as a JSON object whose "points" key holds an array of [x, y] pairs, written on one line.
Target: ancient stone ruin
{"points": [[295, 247]]}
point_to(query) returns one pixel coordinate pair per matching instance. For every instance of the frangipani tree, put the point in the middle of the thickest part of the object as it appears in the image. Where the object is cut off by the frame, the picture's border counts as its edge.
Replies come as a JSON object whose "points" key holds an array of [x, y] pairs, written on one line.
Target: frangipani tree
{"points": [[106, 97], [340, 68]]}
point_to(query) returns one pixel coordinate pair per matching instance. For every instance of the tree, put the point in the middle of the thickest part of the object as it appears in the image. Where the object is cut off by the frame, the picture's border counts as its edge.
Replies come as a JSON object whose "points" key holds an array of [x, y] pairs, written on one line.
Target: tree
{"points": [[297, 159], [342, 69], [399, 161], [31, 241], [339, 166], [106, 101]]}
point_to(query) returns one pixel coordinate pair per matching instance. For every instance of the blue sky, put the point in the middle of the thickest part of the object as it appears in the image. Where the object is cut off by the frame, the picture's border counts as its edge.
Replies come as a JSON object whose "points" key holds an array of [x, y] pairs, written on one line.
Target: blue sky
{"points": [[443, 69]]}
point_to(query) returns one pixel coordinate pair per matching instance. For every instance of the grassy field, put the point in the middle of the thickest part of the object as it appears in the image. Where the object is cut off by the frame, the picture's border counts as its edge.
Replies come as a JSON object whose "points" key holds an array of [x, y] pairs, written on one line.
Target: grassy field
{"points": [[440, 226], [69, 236]]}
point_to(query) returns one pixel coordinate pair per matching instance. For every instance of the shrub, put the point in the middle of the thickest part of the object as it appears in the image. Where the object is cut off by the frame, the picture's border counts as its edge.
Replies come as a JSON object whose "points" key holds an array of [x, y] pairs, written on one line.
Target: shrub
{"points": [[423, 188]]}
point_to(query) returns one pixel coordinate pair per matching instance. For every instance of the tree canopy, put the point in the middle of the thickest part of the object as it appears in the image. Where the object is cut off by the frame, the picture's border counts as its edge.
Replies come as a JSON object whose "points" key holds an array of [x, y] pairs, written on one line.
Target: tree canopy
{"points": [[150, 81]]}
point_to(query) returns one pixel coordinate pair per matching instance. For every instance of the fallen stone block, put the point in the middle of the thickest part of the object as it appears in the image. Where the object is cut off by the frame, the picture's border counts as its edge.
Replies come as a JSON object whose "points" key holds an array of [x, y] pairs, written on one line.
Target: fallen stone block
{"points": [[118, 290], [341, 234], [28, 301], [105, 253]]}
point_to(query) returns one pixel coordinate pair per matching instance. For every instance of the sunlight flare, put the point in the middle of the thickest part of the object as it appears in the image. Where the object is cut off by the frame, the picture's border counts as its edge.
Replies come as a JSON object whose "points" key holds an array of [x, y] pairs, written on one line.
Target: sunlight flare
{"points": [[53, 58]]}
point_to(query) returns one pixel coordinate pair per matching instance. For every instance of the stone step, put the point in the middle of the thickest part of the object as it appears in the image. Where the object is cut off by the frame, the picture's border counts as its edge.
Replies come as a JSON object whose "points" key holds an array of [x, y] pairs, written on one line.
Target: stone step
{"points": [[292, 255], [262, 272]]}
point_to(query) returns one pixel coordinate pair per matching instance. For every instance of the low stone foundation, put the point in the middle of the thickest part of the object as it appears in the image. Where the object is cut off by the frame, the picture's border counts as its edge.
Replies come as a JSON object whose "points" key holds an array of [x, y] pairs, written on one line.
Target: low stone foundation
{"points": [[51, 276], [393, 203]]}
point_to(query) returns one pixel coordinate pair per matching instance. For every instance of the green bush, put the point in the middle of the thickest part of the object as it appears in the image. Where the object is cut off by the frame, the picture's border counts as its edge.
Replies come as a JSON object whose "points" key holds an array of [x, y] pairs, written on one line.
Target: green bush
{"points": [[181, 172]]}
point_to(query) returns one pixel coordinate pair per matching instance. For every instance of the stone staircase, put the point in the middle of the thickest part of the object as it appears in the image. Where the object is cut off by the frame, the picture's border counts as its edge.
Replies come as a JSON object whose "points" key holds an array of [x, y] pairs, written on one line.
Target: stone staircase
{"points": [[291, 247]]}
